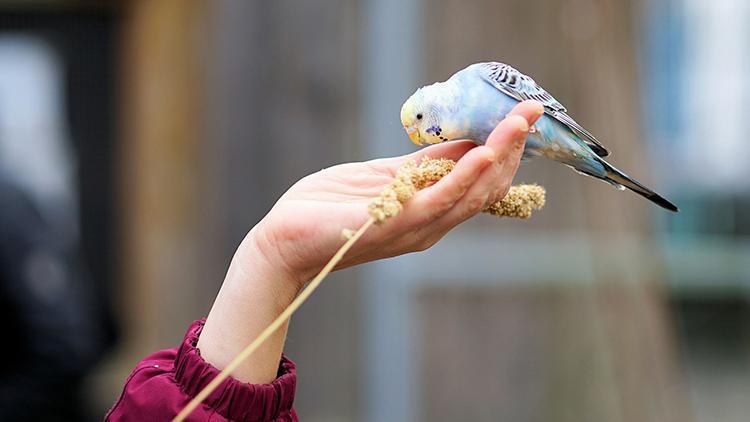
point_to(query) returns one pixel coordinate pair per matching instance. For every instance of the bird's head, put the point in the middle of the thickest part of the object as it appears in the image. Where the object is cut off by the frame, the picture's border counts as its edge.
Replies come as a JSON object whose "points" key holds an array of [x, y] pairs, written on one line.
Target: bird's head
{"points": [[422, 116]]}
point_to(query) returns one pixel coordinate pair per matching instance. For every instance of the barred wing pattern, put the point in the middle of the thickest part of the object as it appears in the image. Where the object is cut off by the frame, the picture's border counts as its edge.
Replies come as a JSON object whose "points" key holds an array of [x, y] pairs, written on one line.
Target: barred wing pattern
{"points": [[522, 87]]}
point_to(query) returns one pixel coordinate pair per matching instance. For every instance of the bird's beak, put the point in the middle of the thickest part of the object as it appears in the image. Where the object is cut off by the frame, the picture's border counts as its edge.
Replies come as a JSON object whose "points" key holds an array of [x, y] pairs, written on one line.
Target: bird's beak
{"points": [[414, 135]]}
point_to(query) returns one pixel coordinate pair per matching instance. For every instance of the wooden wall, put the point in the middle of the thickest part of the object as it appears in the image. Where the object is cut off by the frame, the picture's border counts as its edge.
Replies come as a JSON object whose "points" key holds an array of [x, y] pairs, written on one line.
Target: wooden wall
{"points": [[225, 105], [161, 271], [589, 351], [283, 103], [546, 353]]}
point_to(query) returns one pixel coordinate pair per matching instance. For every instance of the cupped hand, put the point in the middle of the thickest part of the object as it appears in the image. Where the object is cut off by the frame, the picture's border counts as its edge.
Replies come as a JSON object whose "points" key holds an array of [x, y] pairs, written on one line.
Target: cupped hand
{"points": [[303, 230]]}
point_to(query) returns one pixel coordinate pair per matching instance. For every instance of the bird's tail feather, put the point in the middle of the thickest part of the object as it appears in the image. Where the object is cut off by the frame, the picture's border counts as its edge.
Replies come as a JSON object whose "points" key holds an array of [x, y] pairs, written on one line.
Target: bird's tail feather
{"points": [[617, 177]]}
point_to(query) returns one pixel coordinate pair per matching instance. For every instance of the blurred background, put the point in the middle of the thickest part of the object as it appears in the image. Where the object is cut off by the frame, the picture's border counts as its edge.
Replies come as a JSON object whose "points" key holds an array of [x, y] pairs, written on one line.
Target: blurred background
{"points": [[141, 139]]}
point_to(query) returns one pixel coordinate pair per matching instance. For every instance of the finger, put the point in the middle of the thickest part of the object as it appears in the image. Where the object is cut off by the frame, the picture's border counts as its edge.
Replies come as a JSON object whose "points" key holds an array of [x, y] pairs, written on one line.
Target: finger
{"points": [[496, 180], [430, 203], [511, 152], [451, 200], [434, 201], [453, 150], [504, 138], [530, 110], [507, 140]]}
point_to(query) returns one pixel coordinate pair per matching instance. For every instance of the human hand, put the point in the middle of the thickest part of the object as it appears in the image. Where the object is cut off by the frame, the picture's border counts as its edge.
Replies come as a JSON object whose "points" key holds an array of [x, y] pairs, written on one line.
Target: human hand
{"points": [[303, 230]]}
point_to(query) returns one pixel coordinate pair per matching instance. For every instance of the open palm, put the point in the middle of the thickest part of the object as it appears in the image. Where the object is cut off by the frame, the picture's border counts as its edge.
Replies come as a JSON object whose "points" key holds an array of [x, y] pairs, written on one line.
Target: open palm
{"points": [[303, 230]]}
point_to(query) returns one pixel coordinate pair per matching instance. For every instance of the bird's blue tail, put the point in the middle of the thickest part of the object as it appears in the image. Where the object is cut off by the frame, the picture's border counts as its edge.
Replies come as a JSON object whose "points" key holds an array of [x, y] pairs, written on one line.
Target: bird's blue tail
{"points": [[615, 176]]}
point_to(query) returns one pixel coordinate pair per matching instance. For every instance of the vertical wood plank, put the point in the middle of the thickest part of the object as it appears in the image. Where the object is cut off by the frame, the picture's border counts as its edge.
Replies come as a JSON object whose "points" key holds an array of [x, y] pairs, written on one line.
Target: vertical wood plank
{"points": [[160, 174], [283, 103], [536, 354], [584, 53]]}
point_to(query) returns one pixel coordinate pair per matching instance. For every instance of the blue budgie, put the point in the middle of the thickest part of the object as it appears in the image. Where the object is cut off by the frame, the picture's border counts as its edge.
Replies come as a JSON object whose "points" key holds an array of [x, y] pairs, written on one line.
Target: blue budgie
{"points": [[474, 100]]}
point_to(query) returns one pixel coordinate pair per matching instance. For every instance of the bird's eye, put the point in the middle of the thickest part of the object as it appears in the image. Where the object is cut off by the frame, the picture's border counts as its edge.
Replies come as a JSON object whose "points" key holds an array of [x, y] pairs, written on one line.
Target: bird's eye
{"points": [[419, 116]]}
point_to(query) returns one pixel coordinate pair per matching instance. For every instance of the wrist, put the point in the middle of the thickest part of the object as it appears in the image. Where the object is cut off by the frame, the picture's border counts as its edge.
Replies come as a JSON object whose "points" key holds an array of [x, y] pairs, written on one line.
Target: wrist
{"points": [[255, 291], [258, 265]]}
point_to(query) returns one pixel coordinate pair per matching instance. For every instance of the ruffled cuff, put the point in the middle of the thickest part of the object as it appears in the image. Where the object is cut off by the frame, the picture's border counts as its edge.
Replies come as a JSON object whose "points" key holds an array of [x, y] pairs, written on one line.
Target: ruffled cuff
{"points": [[234, 399]]}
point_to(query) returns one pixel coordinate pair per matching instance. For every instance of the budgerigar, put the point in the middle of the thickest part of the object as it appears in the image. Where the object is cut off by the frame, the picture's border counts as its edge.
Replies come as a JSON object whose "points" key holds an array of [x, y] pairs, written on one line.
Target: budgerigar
{"points": [[474, 100]]}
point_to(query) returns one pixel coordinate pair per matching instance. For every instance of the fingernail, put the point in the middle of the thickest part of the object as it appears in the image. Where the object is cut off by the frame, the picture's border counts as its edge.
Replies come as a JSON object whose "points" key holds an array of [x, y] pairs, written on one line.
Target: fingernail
{"points": [[488, 153], [539, 108], [537, 116], [521, 125]]}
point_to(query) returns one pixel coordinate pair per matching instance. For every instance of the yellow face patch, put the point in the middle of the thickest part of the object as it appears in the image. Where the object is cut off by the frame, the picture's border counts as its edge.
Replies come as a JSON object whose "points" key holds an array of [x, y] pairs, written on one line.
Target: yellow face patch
{"points": [[410, 122], [414, 136], [407, 113]]}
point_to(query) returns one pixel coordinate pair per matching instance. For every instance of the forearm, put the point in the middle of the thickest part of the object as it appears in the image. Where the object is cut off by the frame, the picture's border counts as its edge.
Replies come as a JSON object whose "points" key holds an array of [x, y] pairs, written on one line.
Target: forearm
{"points": [[253, 294]]}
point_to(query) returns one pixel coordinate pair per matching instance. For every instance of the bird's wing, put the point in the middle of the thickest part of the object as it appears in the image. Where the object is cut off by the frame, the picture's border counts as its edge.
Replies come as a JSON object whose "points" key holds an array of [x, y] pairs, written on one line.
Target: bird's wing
{"points": [[521, 87]]}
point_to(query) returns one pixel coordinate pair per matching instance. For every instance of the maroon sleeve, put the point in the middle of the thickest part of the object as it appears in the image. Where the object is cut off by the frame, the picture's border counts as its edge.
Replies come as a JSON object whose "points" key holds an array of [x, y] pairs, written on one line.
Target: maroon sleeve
{"points": [[163, 383]]}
